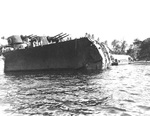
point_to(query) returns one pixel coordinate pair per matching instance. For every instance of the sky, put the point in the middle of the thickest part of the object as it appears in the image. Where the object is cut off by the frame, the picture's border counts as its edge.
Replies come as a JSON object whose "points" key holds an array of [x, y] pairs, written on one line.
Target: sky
{"points": [[106, 19]]}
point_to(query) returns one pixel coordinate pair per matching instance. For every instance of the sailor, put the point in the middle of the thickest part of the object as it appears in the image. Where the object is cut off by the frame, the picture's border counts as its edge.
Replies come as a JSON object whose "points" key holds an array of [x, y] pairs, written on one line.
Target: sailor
{"points": [[92, 37], [86, 34]]}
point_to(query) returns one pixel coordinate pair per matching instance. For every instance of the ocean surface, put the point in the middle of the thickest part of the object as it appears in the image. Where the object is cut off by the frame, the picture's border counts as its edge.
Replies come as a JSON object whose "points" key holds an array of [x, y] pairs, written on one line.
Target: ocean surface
{"points": [[122, 90]]}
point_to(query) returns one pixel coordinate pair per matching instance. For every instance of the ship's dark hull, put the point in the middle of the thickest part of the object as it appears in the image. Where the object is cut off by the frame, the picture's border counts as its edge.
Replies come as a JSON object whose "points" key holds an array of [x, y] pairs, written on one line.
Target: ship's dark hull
{"points": [[73, 54]]}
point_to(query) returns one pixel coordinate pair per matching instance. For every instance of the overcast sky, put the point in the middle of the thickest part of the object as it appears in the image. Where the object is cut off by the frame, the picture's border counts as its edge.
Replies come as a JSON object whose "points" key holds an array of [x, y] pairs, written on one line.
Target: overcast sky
{"points": [[106, 19]]}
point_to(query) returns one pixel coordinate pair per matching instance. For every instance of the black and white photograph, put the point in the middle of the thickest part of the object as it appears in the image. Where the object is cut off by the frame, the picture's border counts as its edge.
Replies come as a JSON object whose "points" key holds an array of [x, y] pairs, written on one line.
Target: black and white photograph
{"points": [[74, 58]]}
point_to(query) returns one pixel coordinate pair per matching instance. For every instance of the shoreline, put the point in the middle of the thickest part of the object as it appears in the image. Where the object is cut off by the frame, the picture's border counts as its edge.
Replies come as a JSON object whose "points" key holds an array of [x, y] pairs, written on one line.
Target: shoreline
{"points": [[141, 62]]}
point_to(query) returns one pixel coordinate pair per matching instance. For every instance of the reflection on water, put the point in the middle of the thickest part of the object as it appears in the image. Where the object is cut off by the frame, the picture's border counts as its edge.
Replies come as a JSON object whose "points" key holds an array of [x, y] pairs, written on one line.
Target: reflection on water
{"points": [[120, 91]]}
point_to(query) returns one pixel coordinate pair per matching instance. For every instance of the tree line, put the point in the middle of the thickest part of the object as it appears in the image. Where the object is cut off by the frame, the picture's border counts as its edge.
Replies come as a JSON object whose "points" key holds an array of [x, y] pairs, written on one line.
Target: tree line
{"points": [[138, 50]]}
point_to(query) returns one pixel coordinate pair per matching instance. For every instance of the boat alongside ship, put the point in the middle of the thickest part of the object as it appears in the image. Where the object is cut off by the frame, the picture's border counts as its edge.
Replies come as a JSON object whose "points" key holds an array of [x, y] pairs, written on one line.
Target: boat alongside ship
{"points": [[119, 59], [81, 53]]}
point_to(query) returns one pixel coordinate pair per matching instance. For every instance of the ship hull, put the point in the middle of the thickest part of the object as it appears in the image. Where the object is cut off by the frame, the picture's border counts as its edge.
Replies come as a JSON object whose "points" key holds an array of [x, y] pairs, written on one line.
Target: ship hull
{"points": [[74, 54]]}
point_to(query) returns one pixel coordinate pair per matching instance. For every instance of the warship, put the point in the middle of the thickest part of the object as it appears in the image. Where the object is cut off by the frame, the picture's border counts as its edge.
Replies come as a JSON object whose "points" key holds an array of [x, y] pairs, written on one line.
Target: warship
{"points": [[23, 54]]}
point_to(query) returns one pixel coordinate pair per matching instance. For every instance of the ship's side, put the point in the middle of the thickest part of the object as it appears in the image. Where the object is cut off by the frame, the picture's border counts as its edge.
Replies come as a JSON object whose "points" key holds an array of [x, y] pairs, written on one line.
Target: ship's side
{"points": [[73, 54]]}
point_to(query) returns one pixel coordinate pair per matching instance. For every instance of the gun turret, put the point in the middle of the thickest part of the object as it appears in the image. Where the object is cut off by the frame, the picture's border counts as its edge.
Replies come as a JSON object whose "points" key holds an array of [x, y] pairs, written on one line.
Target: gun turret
{"points": [[61, 36], [57, 35]]}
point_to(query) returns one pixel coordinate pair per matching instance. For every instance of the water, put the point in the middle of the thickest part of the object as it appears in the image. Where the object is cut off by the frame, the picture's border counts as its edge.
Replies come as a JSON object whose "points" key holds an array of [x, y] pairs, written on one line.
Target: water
{"points": [[120, 91]]}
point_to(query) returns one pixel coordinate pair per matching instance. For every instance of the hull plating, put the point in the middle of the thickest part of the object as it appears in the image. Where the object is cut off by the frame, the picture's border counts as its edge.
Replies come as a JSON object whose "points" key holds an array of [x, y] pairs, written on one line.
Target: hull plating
{"points": [[74, 54]]}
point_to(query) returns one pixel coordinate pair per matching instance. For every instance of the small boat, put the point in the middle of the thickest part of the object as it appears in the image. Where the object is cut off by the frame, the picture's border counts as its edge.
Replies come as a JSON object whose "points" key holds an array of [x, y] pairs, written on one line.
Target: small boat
{"points": [[115, 62], [121, 59]]}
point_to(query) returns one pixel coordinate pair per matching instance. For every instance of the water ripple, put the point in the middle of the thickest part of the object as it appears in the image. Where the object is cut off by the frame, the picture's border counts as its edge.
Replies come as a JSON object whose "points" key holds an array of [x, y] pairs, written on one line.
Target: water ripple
{"points": [[120, 91]]}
